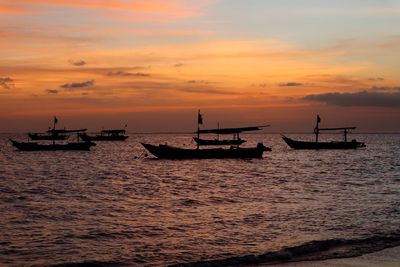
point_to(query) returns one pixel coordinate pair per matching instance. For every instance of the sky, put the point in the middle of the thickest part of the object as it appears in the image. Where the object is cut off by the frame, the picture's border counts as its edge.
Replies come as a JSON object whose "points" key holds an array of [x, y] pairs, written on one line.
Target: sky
{"points": [[152, 64]]}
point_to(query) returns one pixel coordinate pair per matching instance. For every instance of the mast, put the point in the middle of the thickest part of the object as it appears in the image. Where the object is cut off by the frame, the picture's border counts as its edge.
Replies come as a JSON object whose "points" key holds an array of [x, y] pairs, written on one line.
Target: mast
{"points": [[54, 127], [316, 129], [199, 121]]}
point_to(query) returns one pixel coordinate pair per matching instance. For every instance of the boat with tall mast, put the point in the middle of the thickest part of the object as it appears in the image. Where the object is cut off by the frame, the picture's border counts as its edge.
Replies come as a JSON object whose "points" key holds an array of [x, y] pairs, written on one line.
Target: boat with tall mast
{"points": [[54, 135], [345, 144], [234, 151]]}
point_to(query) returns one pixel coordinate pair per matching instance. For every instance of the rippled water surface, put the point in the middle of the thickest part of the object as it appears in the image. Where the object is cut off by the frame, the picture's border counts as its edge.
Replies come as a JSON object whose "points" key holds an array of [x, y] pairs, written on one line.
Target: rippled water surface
{"points": [[108, 205]]}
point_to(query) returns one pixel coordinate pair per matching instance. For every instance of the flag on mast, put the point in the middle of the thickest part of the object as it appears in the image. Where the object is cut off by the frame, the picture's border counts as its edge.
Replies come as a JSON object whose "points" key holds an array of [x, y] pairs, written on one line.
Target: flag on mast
{"points": [[55, 120], [199, 118], [318, 119]]}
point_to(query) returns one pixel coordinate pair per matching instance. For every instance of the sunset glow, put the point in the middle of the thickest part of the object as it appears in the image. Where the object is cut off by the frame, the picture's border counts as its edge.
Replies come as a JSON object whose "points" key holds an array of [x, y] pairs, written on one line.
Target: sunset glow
{"points": [[153, 63]]}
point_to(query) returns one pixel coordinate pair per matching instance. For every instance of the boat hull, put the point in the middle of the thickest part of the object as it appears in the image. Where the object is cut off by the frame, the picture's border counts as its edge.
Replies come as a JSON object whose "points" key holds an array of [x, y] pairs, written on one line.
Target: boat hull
{"points": [[216, 142], [169, 152], [322, 145], [86, 137], [30, 146]]}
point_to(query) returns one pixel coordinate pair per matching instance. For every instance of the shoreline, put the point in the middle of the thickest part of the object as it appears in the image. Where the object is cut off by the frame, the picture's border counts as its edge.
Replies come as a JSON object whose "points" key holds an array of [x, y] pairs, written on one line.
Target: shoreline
{"points": [[388, 257]]}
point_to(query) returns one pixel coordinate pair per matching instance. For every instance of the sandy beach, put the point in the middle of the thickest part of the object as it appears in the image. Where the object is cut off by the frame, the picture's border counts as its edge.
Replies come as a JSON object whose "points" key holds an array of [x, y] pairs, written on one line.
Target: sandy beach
{"points": [[385, 258]]}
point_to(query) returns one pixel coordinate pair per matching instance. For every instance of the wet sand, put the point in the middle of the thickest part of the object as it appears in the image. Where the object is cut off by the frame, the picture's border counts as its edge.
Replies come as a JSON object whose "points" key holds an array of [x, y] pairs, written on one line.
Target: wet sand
{"points": [[385, 258]]}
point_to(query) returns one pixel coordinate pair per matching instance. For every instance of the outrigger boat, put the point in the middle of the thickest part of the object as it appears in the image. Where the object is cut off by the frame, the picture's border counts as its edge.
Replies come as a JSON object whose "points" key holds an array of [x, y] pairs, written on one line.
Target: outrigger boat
{"points": [[353, 144], [171, 152], [53, 133], [106, 135]]}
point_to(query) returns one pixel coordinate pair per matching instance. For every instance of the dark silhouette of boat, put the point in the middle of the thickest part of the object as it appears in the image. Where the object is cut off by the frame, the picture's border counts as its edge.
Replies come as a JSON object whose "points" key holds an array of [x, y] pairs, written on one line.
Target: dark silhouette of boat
{"points": [[32, 146], [170, 152], [53, 133], [353, 144], [234, 151], [106, 135]]}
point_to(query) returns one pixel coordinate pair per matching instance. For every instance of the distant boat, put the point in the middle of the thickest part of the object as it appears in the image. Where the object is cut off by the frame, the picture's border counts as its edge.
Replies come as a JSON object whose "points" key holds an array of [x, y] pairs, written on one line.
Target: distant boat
{"points": [[31, 146], [353, 144], [106, 135], [170, 152]]}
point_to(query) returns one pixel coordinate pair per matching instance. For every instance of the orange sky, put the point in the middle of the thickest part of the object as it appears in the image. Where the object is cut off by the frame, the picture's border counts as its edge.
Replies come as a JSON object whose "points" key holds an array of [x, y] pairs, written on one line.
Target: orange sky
{"points": [[153, 64]]}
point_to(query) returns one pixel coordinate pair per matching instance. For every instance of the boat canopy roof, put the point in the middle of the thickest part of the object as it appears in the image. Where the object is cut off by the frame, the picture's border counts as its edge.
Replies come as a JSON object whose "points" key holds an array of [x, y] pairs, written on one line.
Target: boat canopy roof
{"points": [[58, 131], [118, 131], [335, 129], [232, 130]]}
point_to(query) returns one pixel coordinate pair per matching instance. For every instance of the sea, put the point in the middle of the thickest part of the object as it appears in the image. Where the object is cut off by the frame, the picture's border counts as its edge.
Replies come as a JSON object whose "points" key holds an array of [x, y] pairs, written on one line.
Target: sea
{"points": [[117, 205]]}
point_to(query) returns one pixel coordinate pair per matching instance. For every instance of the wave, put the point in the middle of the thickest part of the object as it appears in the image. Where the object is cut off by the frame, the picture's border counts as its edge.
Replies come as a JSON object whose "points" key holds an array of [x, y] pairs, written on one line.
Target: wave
{"points": [[310, 251]]}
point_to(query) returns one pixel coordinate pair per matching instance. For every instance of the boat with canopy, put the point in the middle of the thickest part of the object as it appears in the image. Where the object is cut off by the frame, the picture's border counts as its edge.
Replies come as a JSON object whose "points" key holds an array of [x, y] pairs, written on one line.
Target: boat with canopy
{"points": [[234, 151], [317, 144]]}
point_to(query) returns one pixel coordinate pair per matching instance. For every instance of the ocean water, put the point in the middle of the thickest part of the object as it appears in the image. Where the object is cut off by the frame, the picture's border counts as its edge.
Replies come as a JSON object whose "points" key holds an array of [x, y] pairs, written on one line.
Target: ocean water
{"points": [[114, 205]]}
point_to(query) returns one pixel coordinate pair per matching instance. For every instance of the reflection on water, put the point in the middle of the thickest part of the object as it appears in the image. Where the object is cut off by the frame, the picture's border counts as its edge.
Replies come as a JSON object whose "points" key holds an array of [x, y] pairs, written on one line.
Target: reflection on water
{"points": [[107, 206]]}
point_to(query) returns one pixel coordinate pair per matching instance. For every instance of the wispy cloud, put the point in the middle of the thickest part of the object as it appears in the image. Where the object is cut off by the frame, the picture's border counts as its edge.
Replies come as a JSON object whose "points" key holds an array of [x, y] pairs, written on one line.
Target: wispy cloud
{"points": [[78, 85], [127, 74], [51, 91], [291, 84], [376, 79], [78, 63], [178, 65], [178, 9], [207, 91], [6, 82]]}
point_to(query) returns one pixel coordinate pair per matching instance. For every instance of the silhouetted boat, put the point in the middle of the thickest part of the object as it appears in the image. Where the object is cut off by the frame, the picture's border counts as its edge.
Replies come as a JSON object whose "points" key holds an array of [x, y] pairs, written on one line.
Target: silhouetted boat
{"points": [[106, 135], [53, 134], [170, 152], [325, 145], [31, 146]]}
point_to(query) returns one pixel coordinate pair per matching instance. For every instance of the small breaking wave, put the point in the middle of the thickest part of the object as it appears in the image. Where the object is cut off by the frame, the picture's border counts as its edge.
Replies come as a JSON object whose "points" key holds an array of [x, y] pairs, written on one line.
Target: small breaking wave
{"points": [[310, 251]]}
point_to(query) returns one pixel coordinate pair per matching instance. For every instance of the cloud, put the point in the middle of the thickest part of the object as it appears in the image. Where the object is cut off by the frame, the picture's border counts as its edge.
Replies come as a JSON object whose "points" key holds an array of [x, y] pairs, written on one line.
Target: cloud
{"points": [[207, 91], [127, 74], [51, 91], [358, 99], [6, 82], [376, 79], [198, 82], [78, 63], [171, 9], [291, 84], [387, 89], [69, 86], [178, 65]]}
